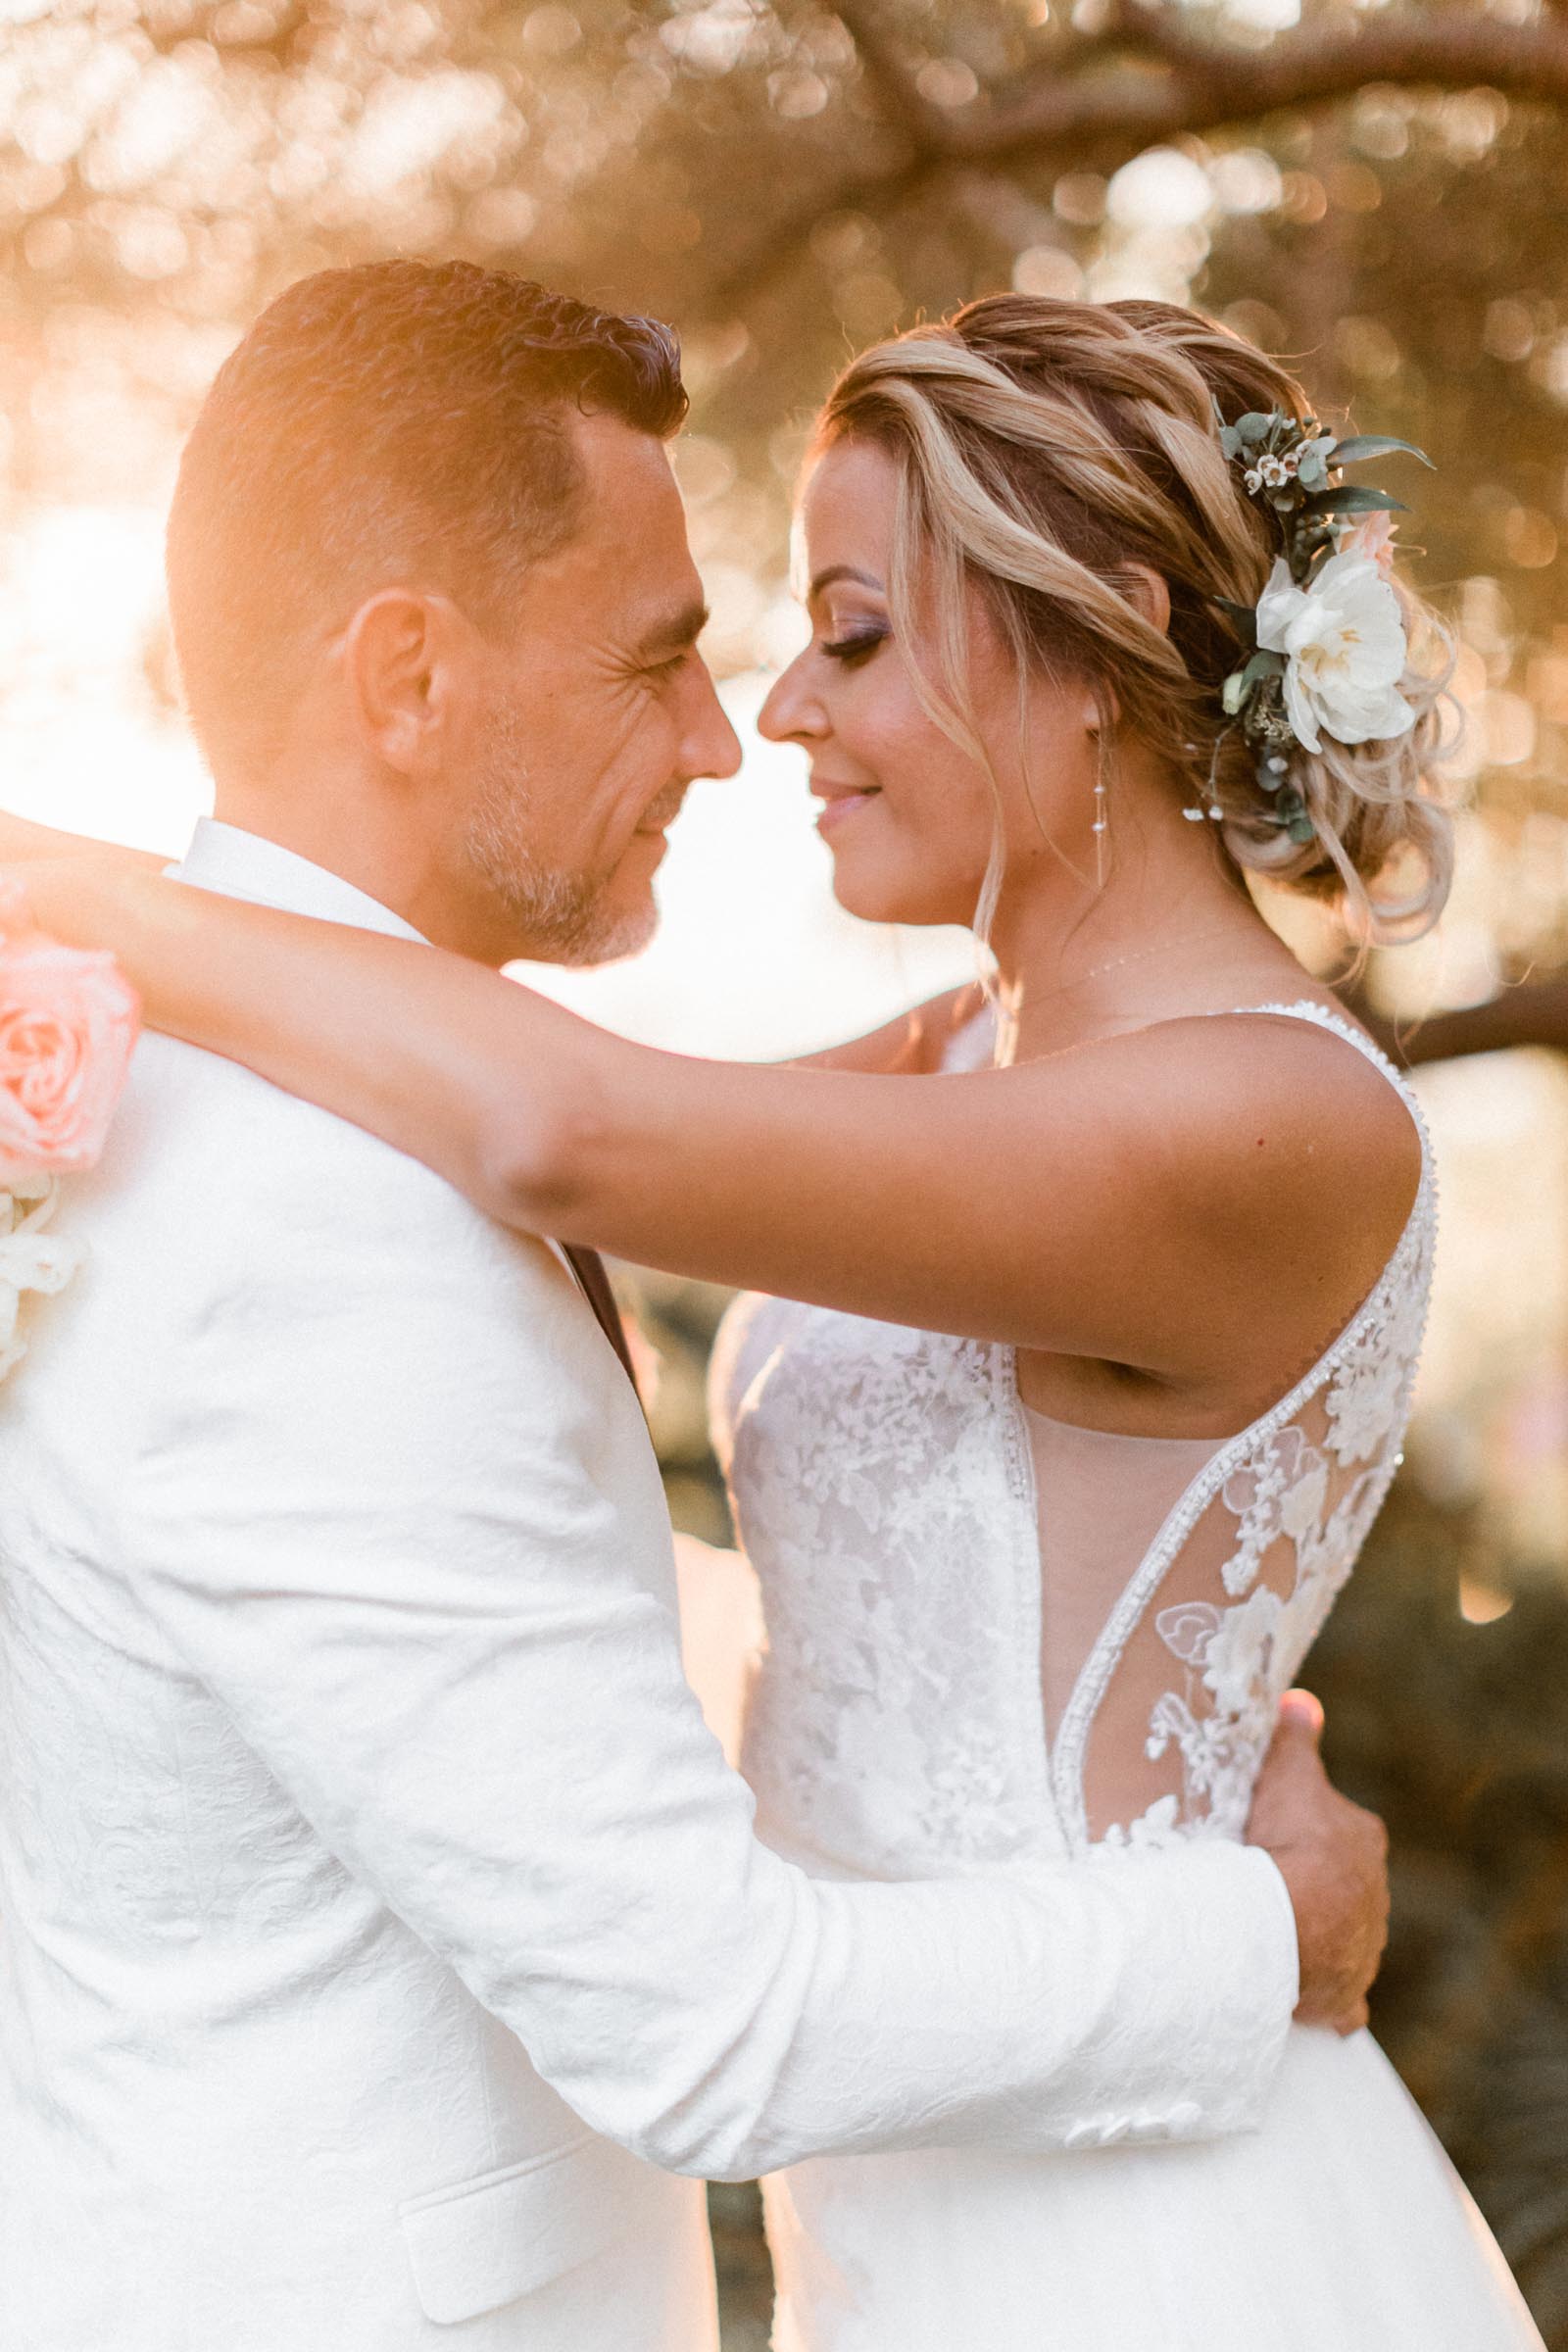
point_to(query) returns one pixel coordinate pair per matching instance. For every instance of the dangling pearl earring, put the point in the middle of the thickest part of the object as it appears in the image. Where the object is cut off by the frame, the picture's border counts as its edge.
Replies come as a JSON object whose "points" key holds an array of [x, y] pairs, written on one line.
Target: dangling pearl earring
{"points": [[1101, 820]]}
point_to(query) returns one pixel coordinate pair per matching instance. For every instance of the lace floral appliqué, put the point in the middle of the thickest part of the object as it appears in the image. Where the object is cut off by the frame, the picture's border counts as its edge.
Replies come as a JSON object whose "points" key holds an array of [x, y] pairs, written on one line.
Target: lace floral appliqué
{"points": [[1308, 1504]]}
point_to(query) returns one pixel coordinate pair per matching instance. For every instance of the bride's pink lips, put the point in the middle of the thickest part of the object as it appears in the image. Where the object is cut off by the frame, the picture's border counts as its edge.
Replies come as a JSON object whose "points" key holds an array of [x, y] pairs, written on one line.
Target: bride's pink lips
{"points": [[840, 802]]}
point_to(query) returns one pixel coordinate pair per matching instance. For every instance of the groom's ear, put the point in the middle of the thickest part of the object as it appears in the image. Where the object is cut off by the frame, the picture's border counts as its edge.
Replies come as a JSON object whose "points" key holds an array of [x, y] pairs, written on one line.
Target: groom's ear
{"points": [[395, 656]]}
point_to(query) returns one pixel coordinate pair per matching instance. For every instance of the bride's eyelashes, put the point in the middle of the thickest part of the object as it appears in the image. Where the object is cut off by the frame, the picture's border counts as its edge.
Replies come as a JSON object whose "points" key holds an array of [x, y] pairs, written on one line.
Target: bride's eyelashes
{"points": [[855, 645]]}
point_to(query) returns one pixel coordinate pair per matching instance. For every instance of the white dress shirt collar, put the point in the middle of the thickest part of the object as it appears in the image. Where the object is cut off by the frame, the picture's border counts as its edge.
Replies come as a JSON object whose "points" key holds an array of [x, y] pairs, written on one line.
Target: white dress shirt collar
{"points": [[247, 866]]}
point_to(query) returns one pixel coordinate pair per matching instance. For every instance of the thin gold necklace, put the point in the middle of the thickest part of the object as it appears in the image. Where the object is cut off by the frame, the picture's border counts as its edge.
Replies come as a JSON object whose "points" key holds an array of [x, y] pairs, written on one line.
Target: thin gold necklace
{"points": [[1116, 963]]}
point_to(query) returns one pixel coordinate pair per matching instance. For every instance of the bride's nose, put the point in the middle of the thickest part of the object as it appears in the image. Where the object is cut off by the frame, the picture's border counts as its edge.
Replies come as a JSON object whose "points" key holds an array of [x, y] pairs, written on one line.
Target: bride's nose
{"points": [[792, 712]]}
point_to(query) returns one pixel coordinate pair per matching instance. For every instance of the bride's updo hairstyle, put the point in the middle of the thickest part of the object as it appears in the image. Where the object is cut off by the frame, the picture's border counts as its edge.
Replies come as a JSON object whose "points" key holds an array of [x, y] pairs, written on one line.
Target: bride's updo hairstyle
{"points": [[1043, 448]]}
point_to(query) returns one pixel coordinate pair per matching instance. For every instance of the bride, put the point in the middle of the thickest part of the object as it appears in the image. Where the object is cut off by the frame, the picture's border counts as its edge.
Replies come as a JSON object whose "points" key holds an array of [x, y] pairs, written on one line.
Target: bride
{"points": [[1070, 1391]]}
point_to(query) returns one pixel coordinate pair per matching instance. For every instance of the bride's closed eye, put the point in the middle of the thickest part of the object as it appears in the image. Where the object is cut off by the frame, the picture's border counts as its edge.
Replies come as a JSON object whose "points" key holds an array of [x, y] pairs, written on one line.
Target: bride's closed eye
{"points": [[855, 645]]}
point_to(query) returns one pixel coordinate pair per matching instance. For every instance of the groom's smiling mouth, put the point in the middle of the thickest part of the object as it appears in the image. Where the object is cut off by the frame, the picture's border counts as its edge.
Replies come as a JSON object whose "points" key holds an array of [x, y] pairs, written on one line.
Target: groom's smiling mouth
{"points": [[660, 814]]}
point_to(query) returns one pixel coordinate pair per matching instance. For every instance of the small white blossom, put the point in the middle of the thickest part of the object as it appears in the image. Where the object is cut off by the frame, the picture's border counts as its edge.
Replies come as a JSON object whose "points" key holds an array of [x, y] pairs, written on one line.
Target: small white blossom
{"points": [[1274, 471], [1345, 651], [1253, 480]]}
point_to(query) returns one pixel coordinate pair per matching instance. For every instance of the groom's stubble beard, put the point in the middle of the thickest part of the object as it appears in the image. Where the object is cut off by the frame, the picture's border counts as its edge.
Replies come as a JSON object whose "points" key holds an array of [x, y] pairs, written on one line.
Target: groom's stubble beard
{"points": [[560, 916]]}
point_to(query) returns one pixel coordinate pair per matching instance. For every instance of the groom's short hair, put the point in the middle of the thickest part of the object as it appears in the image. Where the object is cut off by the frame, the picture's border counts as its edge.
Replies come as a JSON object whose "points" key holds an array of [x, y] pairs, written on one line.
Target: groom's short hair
{"points": [[396, 423]]}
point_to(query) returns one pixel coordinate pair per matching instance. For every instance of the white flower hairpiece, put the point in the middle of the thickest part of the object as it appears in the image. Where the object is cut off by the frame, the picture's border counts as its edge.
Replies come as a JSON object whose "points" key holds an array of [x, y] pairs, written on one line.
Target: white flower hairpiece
{"points": [[1325, 639]]}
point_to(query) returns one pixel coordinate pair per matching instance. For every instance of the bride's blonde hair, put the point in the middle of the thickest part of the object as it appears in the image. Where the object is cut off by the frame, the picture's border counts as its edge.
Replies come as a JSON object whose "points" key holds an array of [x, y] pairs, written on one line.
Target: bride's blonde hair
{"points": [[1043, 447]]}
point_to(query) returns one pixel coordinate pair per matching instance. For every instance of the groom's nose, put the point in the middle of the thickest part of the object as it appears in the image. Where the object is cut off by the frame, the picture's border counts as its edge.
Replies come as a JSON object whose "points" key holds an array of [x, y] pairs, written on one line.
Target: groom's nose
{"points": [[710, 746]]}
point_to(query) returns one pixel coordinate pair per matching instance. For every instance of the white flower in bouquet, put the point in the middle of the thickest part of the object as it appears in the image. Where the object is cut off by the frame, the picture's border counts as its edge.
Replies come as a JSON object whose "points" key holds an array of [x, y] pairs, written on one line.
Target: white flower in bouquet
{"points": [[1343, 643], [30, 1258]]}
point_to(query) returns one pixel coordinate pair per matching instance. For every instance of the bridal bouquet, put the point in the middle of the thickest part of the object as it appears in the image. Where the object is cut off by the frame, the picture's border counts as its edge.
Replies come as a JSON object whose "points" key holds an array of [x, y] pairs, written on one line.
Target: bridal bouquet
{"points": [[67, 1024]]}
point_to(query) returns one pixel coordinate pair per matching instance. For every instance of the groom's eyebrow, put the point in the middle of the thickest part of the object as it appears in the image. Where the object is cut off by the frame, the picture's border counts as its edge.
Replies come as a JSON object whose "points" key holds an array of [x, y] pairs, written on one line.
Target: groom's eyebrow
{"points": [[678, 629]]}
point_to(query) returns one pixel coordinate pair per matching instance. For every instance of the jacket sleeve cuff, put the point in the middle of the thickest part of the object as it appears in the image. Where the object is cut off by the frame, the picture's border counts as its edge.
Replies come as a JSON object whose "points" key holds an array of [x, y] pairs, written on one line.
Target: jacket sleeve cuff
{"points": [[1244, 1974]]}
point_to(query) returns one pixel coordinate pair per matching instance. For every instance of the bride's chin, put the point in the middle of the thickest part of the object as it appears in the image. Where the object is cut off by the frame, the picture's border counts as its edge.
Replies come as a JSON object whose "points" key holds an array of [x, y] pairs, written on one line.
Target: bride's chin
{"points": [[885, 898], [860, 895]]}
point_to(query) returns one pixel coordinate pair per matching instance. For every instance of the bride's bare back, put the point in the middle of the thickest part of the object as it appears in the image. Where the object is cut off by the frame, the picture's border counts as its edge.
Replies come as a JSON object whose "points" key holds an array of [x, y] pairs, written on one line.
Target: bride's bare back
{"points": [[995, 1633]]}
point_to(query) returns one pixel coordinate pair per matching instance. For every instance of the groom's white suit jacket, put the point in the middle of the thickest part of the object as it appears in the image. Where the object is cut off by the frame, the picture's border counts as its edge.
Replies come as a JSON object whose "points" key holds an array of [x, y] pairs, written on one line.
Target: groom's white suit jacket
{"points": [[382, 1931]]}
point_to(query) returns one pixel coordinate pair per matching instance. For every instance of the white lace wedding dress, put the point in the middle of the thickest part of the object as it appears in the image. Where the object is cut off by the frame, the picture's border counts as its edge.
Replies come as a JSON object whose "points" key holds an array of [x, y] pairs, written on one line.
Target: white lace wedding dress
{"points": [[994, 1639]]}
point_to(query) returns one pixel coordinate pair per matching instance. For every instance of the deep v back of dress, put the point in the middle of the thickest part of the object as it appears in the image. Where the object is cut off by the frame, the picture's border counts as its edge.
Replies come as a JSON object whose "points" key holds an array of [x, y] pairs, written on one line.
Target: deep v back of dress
{"points": [[998, 1641]]}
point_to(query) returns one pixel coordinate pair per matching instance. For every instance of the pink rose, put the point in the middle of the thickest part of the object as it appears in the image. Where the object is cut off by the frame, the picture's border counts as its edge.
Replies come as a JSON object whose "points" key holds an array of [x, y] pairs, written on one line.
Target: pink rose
{"points": [[67, 1024], [1373, 538]]}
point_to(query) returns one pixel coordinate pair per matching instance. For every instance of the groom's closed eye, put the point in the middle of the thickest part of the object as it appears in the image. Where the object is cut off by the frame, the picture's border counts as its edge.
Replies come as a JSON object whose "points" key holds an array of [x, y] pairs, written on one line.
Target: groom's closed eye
{"points": [[669, 666], [671, 641]]}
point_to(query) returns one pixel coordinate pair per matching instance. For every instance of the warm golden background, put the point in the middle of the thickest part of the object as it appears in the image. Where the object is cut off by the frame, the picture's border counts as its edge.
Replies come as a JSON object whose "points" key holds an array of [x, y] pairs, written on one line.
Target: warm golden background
{"points": [[1377, 190]]}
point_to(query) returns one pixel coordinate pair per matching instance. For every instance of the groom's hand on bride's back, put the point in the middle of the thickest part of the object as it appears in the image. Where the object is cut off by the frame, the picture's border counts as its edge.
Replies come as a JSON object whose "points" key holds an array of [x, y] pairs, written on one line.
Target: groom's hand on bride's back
{"points": [[1332, 1857]]}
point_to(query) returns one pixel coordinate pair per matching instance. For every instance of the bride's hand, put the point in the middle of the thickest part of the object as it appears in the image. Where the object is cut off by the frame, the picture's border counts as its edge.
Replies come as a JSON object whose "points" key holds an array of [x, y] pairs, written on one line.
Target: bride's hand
{"points": [[83, 901], [24, 843]]}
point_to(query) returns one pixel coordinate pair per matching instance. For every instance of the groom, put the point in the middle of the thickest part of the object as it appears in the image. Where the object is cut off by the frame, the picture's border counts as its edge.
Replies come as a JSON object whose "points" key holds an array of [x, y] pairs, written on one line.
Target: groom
{"points": [[386, 1953]]}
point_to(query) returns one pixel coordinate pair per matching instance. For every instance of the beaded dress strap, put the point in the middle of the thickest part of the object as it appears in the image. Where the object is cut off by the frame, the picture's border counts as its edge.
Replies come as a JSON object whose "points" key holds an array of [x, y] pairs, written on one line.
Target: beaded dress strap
{"points": [[1321, 1017]]}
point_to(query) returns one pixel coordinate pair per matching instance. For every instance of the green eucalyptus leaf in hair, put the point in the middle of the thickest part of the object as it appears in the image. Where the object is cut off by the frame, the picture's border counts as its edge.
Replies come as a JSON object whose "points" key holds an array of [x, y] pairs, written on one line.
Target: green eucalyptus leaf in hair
{"points": [[1375, 445], [1352, 499], [1252, 429], [1242, 617], [1290, 814]]}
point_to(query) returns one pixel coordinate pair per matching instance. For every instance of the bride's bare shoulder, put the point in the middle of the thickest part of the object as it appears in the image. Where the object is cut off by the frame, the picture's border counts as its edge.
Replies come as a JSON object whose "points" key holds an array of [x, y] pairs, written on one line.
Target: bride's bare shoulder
{"points": [[1306, 1104]]}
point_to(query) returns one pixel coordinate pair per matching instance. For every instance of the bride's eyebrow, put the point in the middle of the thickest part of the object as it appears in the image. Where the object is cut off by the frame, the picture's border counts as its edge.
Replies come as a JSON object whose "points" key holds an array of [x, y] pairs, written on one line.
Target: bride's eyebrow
{"points": [[845, 571]]}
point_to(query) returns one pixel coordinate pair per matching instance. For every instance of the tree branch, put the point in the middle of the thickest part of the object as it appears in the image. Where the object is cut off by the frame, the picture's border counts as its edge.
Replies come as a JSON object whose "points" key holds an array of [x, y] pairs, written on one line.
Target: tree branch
{"points": [[1166, 83], [925, 124], [1207, 88]]}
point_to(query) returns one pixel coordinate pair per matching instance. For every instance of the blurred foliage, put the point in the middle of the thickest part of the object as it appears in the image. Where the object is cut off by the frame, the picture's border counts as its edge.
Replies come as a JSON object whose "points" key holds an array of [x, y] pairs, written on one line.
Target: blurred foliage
{"points": [[742, 2267], [1456, 1731], [676, 1321]]}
